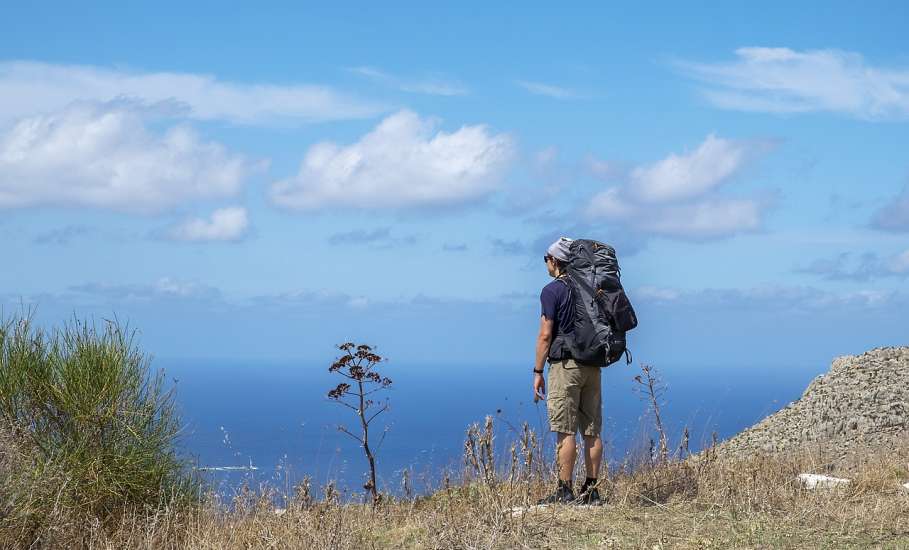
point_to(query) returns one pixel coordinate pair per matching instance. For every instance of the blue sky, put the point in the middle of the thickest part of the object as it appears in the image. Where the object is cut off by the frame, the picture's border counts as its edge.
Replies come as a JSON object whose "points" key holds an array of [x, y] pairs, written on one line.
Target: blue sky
{"points": [[268, 181]]}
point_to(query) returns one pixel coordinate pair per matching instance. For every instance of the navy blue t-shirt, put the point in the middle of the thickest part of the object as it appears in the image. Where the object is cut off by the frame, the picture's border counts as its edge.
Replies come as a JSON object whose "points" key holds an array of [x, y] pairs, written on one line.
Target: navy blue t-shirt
{"points": [[557, 307]]}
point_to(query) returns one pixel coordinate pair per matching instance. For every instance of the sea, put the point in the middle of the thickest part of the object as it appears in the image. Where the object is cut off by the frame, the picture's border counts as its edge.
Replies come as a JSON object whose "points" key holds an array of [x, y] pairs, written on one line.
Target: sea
{"points": [[261, 423]]}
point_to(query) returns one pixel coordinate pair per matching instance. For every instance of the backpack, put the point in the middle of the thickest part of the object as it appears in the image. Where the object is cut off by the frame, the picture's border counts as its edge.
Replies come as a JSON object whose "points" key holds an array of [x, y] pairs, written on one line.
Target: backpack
{"points": [[602, 312]]}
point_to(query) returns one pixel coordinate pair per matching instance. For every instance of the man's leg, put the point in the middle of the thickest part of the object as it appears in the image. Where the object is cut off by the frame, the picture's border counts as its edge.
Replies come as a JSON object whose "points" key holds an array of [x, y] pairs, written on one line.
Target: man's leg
{"points": [[593, 455], [566, 454], [591, 415], [562, 407]]}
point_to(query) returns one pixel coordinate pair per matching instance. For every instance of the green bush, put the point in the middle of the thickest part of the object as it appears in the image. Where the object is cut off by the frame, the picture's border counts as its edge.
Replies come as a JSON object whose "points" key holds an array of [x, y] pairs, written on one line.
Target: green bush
{"points": [[81, 406]]}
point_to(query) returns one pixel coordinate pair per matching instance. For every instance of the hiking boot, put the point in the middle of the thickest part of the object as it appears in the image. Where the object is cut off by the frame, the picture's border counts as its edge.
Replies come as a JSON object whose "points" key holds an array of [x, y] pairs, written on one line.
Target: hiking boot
{"points": [[590, 497], [562, 495]]}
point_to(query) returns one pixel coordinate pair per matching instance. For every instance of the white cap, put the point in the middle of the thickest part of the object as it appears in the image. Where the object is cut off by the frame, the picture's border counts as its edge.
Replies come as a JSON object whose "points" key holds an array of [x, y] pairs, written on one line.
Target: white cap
{"points": [[559, 249]]}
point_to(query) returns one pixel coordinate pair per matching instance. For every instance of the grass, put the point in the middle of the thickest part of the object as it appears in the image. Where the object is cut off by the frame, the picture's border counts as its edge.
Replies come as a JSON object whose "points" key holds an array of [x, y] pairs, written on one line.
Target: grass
{"points": [[703, 502], [715, 504], [88, 460]]}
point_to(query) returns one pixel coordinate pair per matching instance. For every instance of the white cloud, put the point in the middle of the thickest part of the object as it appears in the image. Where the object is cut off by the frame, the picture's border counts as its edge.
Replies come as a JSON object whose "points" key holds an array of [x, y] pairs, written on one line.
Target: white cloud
{"points": [[685, 176], [165, 288], [899, 264], [381, 237], [550, 90], [105, 157], [786, 299], [317, 302], [705, 219], [678, 196], [404, 162], [184, 289], [781, 80], [893, 216], [358, 302], [430, 85], [225, 224], [63, 236], [848, 266], [29, 88], [546, 159], [656, 294], [702, 219], [600, 169]]}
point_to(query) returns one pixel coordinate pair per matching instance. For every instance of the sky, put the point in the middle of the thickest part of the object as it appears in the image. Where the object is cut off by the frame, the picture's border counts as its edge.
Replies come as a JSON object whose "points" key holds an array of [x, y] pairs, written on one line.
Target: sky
{"points": [[264, 182]]}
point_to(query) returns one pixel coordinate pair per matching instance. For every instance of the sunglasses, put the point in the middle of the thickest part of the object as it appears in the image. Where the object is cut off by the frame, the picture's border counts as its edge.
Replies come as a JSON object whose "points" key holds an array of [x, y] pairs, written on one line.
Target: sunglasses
{"points": [[546, 258]]}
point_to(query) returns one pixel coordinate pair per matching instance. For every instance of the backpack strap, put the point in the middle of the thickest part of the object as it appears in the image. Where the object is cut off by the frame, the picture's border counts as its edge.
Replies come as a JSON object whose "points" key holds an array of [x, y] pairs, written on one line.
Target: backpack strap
{"points": [[561, 278]]}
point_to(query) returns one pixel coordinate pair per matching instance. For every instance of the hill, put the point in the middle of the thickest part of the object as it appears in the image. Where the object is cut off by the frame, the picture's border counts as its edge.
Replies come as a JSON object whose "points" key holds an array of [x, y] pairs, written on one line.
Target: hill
{"points": [[861, 403]]}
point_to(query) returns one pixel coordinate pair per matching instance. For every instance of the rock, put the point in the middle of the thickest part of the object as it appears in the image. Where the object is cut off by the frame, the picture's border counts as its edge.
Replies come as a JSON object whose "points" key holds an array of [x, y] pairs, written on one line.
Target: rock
{"points": [[519, 511], [819, 481], [861, 402]]}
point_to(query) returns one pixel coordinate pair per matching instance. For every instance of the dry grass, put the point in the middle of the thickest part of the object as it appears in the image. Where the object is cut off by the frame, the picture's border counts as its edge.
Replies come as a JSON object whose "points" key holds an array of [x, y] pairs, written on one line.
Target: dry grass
{"points": [[703, 502]]}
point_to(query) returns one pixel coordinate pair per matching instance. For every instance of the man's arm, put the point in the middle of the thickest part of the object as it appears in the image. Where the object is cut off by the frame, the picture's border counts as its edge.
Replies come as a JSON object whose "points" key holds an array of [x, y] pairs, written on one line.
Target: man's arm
{"points": [[544, 339]]}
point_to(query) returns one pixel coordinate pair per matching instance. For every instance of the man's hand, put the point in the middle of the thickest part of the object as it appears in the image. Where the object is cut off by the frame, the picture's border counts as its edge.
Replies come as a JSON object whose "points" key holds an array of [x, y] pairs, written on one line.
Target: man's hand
{"points": [[539, 387]]}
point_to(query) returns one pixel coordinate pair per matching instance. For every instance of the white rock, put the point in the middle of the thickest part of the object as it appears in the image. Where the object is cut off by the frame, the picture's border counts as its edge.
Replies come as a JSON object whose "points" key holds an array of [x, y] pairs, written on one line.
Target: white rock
{"points": [[819, 481], [519, 511], [906, 486], [280, 511]]}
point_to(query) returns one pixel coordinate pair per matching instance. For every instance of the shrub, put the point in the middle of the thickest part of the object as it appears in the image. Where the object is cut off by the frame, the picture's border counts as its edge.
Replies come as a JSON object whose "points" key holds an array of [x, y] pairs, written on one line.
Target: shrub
{"points": [[80, 405]]}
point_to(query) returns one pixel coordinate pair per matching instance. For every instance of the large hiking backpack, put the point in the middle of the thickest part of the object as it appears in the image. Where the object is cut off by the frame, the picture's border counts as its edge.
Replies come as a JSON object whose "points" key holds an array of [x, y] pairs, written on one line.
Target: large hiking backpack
{"points": [[602, 312]]}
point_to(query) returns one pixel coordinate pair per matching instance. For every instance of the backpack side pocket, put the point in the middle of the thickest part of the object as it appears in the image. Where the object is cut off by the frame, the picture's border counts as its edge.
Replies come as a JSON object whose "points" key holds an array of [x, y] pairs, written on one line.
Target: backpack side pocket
{"points": [[617, 306]]}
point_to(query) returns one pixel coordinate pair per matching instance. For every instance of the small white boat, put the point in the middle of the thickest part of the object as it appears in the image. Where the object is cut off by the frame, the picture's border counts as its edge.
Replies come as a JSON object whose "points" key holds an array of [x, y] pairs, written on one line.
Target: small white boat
{"points": [[227, 468]]}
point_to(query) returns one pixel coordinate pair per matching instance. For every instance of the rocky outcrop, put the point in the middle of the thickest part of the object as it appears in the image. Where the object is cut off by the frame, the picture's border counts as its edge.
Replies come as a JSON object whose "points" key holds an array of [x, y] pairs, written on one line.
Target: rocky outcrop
{"points": [[861, 403]]}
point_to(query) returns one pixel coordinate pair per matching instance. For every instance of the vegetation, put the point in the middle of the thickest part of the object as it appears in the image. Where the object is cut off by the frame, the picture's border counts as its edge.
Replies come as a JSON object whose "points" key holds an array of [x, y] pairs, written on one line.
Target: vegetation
{"points": [[651, 389], [86, 430], [358, 364], [88, 460], [711, 503]]}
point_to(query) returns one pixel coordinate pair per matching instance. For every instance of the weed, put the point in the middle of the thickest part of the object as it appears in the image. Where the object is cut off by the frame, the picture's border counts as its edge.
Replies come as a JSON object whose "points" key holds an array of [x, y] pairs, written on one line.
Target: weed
{"points": [[358, 364]]}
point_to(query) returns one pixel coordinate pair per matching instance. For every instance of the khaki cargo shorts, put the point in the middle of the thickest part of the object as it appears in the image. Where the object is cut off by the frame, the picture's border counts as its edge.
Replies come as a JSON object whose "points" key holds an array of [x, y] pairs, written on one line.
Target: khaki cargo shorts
{"points": [[574, 402]]}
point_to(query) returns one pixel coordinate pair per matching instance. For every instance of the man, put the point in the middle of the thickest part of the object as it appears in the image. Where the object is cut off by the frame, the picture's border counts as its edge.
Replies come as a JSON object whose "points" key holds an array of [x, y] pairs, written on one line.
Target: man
{"points": [[574, 402]]}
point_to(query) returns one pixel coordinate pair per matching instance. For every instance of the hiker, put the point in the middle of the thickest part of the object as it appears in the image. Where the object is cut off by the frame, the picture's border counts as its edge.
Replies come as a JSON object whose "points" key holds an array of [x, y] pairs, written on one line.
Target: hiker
{"points": [[574, 401]]}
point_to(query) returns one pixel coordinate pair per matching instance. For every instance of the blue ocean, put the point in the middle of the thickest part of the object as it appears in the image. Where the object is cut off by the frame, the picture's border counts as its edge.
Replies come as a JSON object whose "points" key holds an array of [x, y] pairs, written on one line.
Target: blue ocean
{"points": [[276, 417]]}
